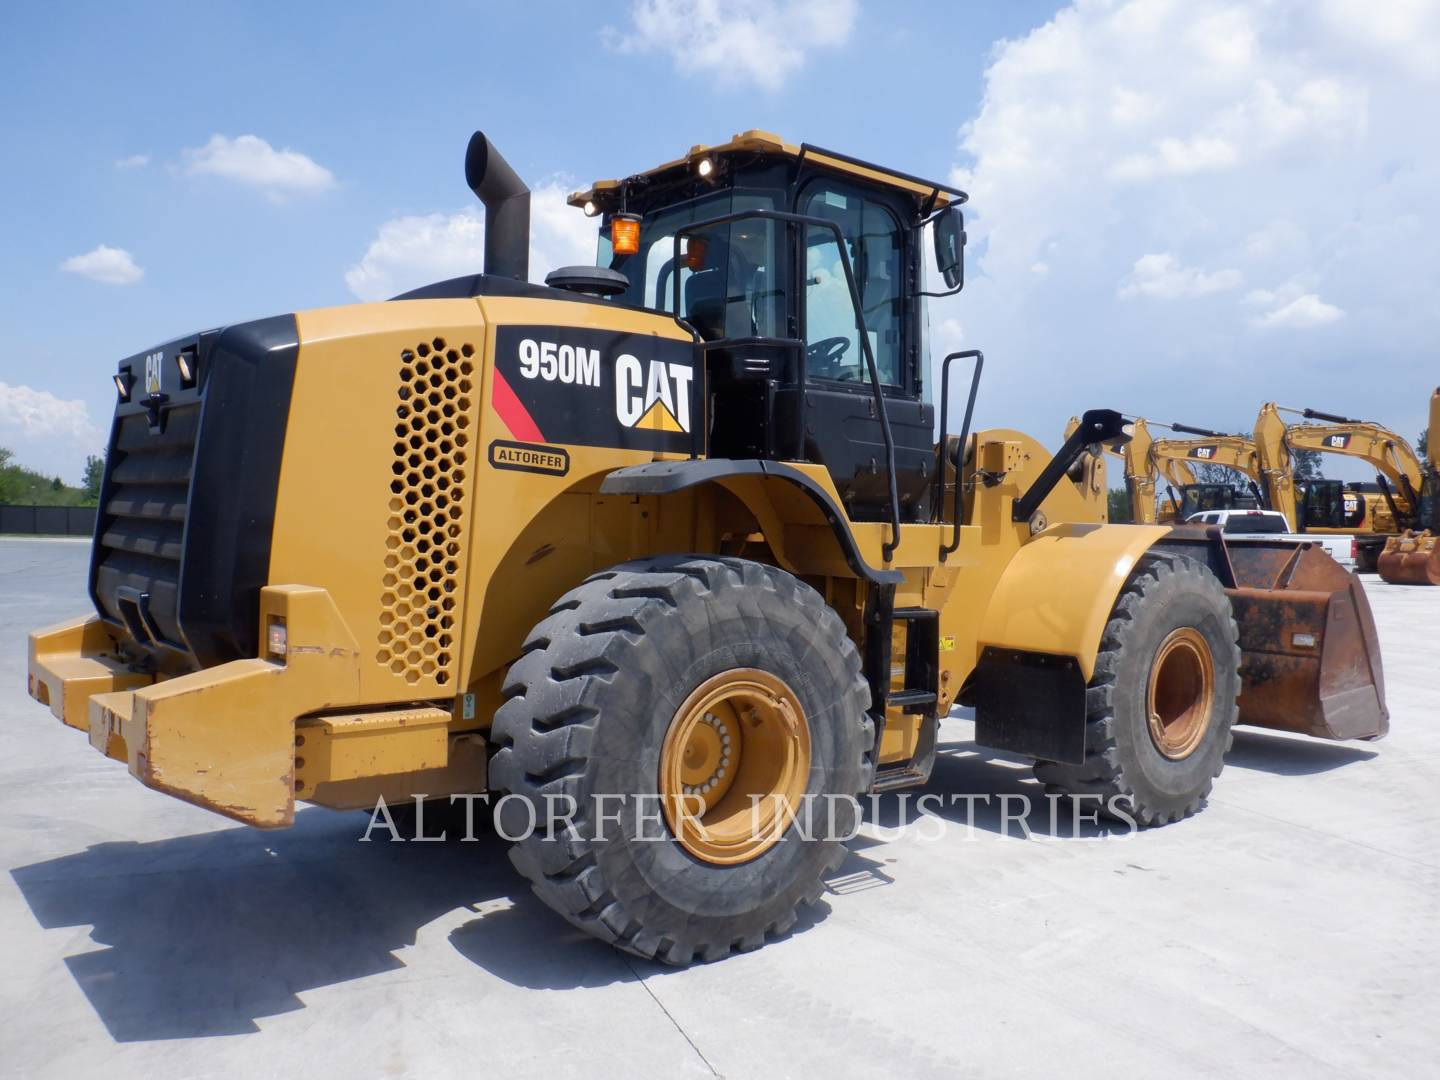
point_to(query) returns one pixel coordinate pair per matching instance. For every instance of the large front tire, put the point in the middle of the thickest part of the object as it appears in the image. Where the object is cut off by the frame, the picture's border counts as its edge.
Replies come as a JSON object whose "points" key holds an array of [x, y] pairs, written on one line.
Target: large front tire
{"points": [[640, 680], [1162, 702]]}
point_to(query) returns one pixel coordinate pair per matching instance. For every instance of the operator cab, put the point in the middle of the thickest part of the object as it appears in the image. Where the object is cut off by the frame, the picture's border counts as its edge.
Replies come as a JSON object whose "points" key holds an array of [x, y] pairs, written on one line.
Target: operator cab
{"points": [[754, 246], [1322, 505], [1200, 497]]}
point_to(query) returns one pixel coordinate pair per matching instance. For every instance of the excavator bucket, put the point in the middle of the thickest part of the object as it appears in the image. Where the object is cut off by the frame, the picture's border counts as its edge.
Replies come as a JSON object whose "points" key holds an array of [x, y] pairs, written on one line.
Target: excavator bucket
{"points": [[1310, 658], [1411, 559]]}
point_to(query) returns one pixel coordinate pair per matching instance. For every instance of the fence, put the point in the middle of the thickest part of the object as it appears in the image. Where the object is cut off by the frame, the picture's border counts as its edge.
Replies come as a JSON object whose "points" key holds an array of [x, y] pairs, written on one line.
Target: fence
{"points": [[48, 520]]}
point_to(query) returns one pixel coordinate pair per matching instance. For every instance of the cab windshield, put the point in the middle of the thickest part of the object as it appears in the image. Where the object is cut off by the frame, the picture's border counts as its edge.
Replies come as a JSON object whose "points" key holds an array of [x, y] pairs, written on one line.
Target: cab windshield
{"points": [[730, 284]]}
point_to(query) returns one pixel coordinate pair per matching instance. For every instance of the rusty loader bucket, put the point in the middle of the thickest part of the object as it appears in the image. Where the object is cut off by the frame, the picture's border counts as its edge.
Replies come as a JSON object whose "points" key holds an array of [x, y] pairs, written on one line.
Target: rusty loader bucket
{"points": [[1411, 559], [1310, 658]]}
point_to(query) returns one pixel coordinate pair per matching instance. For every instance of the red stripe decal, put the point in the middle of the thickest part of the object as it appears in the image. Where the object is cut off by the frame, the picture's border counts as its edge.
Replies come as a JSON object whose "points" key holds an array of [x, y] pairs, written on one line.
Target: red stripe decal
{"points": [[516, 417]]}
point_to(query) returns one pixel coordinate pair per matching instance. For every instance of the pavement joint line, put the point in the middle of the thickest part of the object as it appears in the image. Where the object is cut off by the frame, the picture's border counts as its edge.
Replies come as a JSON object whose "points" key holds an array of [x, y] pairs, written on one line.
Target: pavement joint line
{"points": [[683, 1033], [1325, 833]]}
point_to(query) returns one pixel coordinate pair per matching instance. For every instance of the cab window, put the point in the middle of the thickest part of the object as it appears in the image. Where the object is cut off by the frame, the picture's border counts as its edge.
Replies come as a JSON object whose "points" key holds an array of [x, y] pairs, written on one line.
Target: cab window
{"points": [[874, 241], [728, 283]]}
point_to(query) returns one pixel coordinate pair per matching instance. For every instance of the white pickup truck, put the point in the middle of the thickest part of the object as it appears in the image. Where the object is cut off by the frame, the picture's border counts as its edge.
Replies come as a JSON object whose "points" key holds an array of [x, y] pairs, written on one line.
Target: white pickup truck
{"points": [[1271, 525]]}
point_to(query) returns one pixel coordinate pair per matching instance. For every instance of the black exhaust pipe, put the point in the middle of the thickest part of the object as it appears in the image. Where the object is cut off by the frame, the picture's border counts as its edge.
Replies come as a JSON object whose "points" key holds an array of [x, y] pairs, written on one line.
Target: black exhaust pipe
{"points": [[507, 209]]}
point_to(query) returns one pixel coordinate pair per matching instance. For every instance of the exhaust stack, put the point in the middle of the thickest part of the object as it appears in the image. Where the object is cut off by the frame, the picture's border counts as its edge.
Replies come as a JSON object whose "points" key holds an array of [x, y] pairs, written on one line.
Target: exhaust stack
{"points": [[507, 209]]}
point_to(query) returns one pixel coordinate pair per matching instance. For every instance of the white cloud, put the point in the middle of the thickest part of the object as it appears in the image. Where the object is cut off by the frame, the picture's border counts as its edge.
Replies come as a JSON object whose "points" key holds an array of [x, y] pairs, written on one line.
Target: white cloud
{"points": [[46, 433], [134, 161], [416, 250], [560, 234], [1162, 277], [253, 162], [760, 42], [112, 266], [1277, 237], [1153, 149], [31, 414], [1291, 311], [1177, 157]]}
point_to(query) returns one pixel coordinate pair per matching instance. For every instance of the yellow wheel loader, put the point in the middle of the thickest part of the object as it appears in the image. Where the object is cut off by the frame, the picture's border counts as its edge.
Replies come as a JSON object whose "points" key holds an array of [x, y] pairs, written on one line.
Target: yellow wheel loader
{"points": [[1413, 557], [664, 555]]}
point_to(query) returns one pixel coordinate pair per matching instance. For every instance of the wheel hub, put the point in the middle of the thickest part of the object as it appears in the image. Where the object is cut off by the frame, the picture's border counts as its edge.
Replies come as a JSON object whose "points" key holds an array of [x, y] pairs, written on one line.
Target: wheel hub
{"points": [[1181, 694], [734, 766]]}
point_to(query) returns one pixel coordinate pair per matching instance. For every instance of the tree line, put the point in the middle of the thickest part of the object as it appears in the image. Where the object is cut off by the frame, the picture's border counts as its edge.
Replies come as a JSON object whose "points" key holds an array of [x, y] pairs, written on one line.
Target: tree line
{"points": [[25, 487]]}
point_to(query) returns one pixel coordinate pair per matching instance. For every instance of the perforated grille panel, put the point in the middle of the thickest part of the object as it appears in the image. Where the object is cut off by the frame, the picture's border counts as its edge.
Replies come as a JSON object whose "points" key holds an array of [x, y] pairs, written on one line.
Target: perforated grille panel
{"points": [[427, 511]]}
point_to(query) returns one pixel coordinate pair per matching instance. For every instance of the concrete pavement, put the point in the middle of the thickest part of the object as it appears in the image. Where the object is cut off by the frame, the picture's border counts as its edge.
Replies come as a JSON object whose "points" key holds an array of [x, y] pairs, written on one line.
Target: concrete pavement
{"points": [[1293, 928]]}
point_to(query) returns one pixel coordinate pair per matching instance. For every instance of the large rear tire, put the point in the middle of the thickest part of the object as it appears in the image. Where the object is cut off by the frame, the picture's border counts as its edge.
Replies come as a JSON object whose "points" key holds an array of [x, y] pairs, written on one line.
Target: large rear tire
{"points": [[1162, 702], [706, 678]]}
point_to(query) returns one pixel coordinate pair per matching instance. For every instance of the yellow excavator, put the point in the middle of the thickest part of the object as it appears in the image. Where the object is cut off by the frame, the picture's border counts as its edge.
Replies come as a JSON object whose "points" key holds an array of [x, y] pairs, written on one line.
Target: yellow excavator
{"points": [[1324, 506], [1147, 458], [1412, 558]]}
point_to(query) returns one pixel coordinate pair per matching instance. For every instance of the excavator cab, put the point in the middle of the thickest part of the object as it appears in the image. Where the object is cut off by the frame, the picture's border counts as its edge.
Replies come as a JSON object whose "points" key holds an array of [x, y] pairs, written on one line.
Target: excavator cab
{"points": [[1197, 498], [1322, 505]]}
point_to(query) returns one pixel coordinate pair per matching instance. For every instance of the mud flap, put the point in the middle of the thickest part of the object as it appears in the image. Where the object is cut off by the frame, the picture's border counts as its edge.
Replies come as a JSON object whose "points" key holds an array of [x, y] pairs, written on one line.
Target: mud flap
{"points": [[1030, 703]]}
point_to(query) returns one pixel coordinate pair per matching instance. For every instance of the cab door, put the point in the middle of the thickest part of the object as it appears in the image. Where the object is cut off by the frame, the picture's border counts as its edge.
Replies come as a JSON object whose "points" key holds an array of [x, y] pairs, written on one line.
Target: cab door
{"points": [[840, 422]]}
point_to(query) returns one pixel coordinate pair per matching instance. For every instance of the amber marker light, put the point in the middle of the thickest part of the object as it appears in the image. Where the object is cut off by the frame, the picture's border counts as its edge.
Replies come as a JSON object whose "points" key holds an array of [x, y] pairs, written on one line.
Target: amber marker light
{"points": [[625, 234], [695, 248]]}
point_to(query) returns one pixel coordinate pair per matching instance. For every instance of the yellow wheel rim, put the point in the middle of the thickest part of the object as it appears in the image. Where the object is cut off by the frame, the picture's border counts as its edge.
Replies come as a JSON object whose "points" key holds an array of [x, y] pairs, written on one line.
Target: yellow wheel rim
{"points": [[734, 766], [1181, 697]]}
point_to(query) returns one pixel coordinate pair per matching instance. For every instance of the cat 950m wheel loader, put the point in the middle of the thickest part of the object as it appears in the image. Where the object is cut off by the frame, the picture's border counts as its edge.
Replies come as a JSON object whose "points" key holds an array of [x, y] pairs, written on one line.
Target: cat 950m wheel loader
{"points": [[664, 551]]}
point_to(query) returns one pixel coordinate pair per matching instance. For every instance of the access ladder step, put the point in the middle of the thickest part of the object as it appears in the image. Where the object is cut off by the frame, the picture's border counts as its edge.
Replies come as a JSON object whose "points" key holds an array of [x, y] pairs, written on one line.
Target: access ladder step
{"points": [[904, 699]]}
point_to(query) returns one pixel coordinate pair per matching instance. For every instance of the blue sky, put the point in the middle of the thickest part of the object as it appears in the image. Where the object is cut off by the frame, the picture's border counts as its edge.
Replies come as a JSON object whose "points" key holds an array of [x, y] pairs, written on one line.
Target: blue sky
{"points": [[1179, 209]]}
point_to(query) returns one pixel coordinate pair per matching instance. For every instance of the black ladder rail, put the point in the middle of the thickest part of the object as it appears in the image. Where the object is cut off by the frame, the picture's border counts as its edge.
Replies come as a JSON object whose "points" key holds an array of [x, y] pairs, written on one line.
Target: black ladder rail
{"points": [[946, 549]]}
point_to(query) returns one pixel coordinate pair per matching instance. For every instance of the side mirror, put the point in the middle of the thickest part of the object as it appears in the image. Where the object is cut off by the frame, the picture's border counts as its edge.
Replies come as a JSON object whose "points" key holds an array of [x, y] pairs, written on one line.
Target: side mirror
{"points": [[950, 246]]}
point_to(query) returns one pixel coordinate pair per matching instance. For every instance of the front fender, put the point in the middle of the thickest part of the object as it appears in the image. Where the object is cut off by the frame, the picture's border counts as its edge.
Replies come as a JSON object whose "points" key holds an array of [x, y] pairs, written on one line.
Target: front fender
{"points": [[1055, 596]]}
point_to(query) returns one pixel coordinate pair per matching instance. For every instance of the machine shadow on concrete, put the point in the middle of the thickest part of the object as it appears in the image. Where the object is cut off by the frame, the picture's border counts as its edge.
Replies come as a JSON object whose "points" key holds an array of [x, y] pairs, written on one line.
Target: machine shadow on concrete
{"points": [[205, 934], [202, 935], [1285, 755]]}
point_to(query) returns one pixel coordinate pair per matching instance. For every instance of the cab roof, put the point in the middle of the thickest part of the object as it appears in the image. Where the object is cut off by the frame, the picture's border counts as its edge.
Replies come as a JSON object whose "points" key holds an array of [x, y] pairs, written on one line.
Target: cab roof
{"points": [[764, 142]]}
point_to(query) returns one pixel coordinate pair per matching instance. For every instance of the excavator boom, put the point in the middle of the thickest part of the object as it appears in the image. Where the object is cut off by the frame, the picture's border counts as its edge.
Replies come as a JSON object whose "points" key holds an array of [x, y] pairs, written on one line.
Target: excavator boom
{"points": [[1147, 459]]}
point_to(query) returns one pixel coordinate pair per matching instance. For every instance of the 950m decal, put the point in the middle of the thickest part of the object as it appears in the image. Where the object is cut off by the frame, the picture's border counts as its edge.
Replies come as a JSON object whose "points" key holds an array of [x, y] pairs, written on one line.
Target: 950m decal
{"points": [[527, 457], [584, 387]]}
